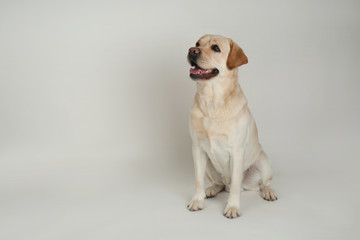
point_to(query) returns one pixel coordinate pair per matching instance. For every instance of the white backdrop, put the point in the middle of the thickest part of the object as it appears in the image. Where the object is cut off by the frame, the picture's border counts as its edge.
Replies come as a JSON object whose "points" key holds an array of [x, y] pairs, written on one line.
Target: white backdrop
{"points": [[94, 101]]}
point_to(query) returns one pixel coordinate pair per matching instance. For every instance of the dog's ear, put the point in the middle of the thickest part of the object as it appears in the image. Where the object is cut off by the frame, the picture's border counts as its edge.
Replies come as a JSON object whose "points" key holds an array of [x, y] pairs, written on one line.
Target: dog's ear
{"points": [[236, 56]]}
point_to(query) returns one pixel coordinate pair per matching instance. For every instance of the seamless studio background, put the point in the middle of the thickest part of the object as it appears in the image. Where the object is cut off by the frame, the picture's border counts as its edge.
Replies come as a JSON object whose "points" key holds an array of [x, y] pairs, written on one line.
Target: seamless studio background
{"points": [[94, 102]]}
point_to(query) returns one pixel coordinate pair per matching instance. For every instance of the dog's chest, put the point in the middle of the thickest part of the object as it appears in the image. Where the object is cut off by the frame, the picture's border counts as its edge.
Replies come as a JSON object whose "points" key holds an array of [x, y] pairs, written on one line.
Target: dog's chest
{"points": [[214, 140], [218, 153]]}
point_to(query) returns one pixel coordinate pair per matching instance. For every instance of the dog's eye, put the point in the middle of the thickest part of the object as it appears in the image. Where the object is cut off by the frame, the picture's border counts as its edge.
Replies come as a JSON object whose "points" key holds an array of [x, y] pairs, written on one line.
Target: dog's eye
{"points": [[215, 48], [197, 44]]}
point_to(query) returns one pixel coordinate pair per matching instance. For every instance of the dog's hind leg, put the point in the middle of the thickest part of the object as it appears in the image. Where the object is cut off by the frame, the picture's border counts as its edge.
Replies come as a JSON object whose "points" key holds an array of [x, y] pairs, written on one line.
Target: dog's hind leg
{"points": [[252, 178], [264, 167], [215, 179]]}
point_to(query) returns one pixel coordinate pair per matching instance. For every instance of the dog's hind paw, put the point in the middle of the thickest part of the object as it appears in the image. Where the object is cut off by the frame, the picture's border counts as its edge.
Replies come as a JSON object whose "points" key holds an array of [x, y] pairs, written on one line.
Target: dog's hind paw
{"points": [[268, 194], [214, 190]]}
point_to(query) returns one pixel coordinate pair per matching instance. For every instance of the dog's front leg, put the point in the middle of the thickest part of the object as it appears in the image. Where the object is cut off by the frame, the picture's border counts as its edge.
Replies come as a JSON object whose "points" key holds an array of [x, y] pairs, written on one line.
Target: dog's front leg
{"points": [[199, 156], [232, 209]]}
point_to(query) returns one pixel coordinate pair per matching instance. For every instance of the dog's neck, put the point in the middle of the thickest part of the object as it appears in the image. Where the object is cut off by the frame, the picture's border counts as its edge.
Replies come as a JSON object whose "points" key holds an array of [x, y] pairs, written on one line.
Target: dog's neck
{"points": [[213, 95]]}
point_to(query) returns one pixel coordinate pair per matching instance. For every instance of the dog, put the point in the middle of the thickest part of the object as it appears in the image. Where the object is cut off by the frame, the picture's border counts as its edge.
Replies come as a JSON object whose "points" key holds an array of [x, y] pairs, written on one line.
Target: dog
{"points": [[225, 143]]}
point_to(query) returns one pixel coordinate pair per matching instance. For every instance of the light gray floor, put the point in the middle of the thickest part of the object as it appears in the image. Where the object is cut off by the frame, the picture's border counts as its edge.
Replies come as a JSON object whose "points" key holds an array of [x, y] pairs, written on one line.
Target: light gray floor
{"points": [[106, 199]]}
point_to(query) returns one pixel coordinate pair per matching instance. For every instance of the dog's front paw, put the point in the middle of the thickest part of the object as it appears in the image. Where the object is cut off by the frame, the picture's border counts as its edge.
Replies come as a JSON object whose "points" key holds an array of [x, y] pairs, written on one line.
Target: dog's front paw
{"points": [[232, 212], [196, 205]]}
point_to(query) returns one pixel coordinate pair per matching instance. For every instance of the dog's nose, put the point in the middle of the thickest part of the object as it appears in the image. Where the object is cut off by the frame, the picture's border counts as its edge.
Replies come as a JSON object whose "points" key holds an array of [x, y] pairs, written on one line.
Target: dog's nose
{"points": [[194, 51]]}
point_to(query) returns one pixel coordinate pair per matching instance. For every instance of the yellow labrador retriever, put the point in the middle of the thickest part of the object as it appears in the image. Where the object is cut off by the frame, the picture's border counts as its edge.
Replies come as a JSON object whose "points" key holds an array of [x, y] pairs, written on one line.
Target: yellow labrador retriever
{"points": [[225, 144]]}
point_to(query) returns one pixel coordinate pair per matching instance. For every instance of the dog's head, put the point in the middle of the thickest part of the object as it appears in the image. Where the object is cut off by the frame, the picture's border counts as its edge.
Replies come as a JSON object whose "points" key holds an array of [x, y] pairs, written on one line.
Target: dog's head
{"points": [[214, 55]]}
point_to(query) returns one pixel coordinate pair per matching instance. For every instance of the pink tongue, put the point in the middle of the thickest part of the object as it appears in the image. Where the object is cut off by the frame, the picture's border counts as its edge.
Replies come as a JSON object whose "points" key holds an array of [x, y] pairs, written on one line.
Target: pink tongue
{"points": [[196, 71]]}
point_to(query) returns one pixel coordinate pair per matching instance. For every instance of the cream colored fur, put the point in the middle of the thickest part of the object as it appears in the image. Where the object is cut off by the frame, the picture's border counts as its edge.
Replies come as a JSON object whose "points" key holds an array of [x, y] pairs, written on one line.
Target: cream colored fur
{"points": [[225, 142]]}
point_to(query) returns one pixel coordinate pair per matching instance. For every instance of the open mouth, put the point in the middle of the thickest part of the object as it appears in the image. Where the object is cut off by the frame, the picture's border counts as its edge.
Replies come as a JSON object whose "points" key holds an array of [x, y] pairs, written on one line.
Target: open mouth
{"points": [[197, 73]]}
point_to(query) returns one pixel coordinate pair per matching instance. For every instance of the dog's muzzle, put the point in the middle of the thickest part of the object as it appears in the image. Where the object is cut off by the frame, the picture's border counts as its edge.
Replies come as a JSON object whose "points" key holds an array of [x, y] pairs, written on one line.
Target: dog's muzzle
{"points": [[196, 72]]}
